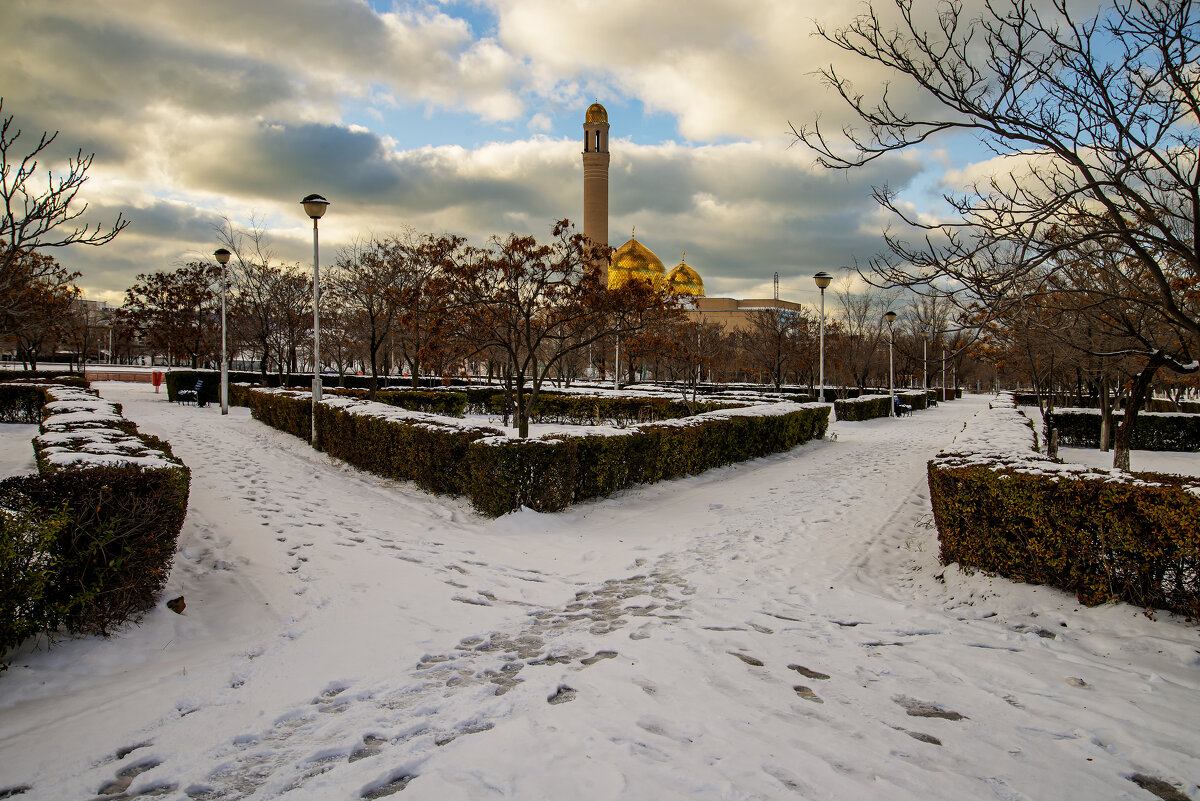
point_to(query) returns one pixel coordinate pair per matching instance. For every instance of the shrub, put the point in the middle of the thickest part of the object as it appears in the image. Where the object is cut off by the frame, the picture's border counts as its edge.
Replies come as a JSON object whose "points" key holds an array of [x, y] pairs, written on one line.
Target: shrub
{"points": [[111, 502], [21, 403], [443, 455], [27, 566], [1152, 431], [1101, 534], [451, 404], [864, 407], [419, 448]]}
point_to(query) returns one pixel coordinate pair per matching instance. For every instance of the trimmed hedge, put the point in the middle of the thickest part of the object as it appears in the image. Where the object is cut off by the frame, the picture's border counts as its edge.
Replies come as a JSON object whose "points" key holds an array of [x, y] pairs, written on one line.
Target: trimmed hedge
{"points": [[93, 534], [1101, 534], [866, 407], [1152, 431], [1073, 402], [548, 475], [21, 403], [501, 475]]}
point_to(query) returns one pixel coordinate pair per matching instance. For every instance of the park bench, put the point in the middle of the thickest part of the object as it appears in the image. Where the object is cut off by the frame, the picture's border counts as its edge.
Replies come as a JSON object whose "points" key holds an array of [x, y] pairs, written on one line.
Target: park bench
{"points": [[903, 409], [191, 396]]}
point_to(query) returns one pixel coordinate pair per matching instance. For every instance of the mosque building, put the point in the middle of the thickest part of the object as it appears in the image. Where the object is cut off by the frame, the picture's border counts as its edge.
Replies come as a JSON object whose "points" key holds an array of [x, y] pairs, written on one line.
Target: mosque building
{"points": [[633, 260]]}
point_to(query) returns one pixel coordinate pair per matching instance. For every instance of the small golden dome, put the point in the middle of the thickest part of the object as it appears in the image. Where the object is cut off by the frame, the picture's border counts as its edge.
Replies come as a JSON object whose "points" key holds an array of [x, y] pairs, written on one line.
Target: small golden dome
{"points": [[596, 113], [635, 260], [683, 280]]}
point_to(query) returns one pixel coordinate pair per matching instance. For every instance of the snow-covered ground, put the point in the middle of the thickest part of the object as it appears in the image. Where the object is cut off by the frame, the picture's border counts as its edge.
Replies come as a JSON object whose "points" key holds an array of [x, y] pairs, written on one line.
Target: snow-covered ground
{"points": [[774, 630]]}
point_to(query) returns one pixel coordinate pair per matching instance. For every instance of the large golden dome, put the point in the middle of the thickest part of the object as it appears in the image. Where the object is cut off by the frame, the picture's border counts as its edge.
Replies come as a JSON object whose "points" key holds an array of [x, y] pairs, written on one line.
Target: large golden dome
{"points": [[596, 113], [683, 280], [635, 260]]}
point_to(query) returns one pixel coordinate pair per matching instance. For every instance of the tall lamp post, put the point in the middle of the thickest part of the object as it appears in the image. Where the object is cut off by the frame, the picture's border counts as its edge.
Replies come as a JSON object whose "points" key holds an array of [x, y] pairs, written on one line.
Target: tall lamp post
{"points": [[925, 360], [891, 318], [314, 207], [222, 257], [822, 278]]}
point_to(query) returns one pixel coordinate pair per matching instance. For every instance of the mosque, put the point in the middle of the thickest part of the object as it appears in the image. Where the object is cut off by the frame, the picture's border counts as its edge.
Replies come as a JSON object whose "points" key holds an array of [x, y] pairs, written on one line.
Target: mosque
{"points": [[633, 260]]}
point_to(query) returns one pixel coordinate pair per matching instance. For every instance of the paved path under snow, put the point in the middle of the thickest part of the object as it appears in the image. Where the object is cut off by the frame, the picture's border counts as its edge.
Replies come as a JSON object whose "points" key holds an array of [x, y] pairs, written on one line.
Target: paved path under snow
{"points": [[780, 629]]}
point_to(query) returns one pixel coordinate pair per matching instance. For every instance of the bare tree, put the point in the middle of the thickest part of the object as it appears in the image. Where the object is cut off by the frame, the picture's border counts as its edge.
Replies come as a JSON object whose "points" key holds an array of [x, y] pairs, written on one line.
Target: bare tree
{"points": [[536, 303], [33, 218], [1100, 116]]}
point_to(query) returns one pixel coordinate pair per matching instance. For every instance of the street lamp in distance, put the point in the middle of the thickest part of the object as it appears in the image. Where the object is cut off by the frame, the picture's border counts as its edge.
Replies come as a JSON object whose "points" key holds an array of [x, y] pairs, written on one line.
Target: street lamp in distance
{"points": [[890, 316], [222, 256], [822, 278], [314, 207]]}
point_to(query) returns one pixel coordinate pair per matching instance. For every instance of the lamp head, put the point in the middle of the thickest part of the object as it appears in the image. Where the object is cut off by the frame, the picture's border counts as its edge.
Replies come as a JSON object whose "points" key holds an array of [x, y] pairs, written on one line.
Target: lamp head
{"points": [[222, 256], [890, 316], [314, 206], [822, 278]]}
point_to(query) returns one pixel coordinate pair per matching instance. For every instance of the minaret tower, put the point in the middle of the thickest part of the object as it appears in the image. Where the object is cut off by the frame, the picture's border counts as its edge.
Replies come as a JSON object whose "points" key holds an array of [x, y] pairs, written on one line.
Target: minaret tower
{"points": [[595, 174]]}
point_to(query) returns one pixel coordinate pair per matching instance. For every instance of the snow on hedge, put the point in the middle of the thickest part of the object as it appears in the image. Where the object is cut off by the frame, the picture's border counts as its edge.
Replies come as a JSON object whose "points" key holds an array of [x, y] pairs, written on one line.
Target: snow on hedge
{"points": [[1002, 438], [79, 429]]}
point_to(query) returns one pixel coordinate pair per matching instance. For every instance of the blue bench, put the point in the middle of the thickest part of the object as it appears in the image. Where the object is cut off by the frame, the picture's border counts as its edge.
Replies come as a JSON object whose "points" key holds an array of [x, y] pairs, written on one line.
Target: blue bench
{"points": [[191, 396]]}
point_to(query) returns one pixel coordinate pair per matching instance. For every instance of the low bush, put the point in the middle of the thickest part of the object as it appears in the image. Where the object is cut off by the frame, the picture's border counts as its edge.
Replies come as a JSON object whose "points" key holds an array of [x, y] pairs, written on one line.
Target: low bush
{"points": [[409, 447], [1152, 431], [1101, 534], [88, 542], [864, 407], [558, 471], [451, 404], [21, 403], [441, 454]]}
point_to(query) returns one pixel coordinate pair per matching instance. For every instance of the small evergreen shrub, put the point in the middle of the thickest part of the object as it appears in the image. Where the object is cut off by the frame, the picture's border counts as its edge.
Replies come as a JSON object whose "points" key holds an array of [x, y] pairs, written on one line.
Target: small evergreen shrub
{"points": [[21, 403], [1080, 428], [1101, 534], [107, 506], [864, 407]]}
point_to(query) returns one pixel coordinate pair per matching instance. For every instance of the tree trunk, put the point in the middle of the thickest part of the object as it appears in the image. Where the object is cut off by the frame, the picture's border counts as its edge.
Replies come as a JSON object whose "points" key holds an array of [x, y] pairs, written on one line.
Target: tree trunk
{"points": [[1105, 417], [1141, 385]]}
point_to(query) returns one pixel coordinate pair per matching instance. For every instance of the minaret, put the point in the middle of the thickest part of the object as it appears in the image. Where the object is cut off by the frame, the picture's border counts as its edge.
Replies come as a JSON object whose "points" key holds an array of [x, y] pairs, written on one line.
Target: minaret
{"points": [[595, 174]]}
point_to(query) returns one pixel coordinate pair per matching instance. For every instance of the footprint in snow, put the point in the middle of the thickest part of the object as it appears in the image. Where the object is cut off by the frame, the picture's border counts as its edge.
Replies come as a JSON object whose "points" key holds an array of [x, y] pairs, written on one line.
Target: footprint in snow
{"points": [[749, 660], [807, 694], [926, 709], [125, 777], [811, 674]]}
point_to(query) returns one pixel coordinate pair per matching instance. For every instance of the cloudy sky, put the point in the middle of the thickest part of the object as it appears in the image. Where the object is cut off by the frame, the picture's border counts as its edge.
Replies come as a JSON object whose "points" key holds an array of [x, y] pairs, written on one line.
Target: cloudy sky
{"points": [[460, 116]]}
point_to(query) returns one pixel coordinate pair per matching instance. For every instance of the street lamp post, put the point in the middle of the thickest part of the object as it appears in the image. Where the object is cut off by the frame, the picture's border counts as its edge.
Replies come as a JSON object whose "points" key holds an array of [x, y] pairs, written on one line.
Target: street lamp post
{"points": [[314, 207], [822, 278], [943, 372], [891, 318], [925, 359], [222, 257]]}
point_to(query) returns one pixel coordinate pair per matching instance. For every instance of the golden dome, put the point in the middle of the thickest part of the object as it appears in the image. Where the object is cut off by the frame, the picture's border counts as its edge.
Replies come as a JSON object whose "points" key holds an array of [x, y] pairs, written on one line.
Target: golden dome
{"points": [[596, 113], [683, 280], [635, 260]]}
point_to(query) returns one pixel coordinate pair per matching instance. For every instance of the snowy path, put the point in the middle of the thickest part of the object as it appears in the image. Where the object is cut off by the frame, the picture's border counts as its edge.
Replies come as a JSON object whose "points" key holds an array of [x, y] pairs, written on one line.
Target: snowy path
{"points": [[780, 629]]}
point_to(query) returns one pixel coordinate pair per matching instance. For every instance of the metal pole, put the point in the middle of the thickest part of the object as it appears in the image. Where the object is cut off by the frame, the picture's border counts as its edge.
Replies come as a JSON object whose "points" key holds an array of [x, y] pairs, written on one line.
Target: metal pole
{"points": [[943, 373], [821, 393], [224, 360], [925, 362], [891, 386], [316, 385], [617, 366]]}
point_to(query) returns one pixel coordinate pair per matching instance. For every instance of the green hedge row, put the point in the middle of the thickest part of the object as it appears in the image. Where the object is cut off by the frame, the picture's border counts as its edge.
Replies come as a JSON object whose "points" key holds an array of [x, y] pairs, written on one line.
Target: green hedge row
{"points": [[1100, 535], [501, 475], [21, 403], [548, 475], [551, 407], [1151, 432], [867, 407], [1070, 401], [88, 542]]}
